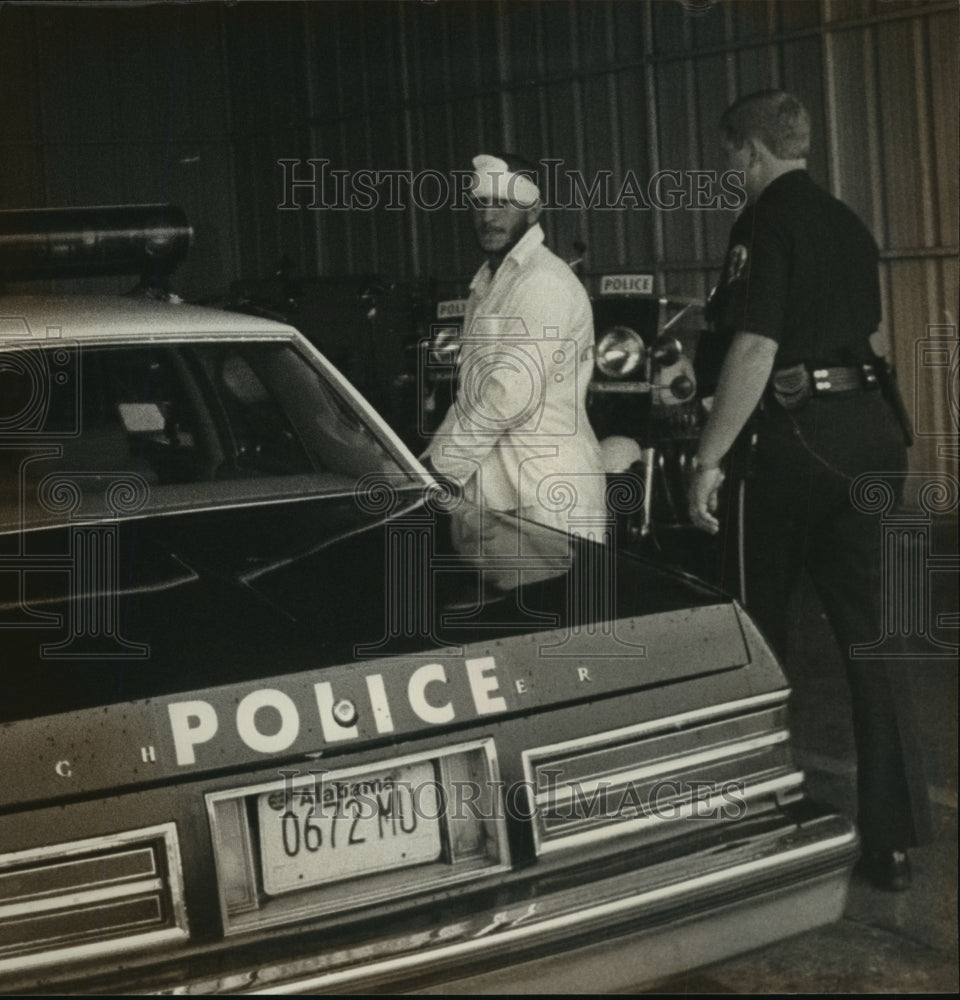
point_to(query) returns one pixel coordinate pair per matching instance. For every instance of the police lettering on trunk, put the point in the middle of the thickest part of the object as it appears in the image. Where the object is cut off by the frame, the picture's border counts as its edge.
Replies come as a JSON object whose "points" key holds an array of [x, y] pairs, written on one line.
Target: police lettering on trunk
{"points": [[268, 720]]}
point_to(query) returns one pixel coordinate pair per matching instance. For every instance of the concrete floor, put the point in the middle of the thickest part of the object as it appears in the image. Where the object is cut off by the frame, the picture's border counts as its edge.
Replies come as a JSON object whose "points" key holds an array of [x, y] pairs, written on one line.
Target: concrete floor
{"points": [[886, 942]]}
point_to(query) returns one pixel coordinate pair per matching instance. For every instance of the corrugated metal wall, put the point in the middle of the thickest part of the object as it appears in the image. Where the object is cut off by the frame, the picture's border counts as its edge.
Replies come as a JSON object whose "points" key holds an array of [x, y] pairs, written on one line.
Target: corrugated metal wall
{"points": [[199, 103], [614, 87], [110, 106]]}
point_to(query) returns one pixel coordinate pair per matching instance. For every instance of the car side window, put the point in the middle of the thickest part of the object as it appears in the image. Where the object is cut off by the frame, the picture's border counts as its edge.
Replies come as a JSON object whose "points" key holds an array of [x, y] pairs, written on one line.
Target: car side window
{"points": [[262, 439], [168, 426], [109, 410], [200, 422], [334, 434], [129, 409]]}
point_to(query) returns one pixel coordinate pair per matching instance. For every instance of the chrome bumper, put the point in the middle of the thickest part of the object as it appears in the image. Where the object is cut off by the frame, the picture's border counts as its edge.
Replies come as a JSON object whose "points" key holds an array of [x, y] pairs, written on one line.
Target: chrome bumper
{"points": [[674, 915]]}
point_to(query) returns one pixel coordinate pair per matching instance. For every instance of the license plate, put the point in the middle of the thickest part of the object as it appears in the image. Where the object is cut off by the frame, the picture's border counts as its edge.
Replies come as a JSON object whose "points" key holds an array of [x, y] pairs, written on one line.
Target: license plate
{"points": [[344, 827]]}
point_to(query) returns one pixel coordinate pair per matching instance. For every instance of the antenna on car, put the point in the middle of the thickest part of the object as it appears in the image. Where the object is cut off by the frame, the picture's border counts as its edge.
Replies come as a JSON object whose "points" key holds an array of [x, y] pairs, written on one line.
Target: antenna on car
{"points": [[145, 240]]}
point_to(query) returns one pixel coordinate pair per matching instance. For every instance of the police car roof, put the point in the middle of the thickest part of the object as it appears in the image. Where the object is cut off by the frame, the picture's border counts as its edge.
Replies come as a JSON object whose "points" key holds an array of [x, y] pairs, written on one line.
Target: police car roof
{"points": [[27, 317]]}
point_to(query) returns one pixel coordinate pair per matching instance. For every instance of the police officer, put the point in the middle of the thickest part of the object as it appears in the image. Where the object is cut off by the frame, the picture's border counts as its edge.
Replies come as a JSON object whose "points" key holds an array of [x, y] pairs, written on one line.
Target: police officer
{"points": [[799, 297]]}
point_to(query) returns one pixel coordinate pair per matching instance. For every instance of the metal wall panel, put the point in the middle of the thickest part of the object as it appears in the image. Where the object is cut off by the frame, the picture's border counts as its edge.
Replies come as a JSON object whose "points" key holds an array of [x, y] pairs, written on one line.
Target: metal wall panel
{"points": [[267, 73], [854, 176], [616, 87], [944, 87], [638, 147], [600, 228], [106, 106], [198, 102], [266, 49], [674, 96], [900, 136], [21, 99], [908, 316]]}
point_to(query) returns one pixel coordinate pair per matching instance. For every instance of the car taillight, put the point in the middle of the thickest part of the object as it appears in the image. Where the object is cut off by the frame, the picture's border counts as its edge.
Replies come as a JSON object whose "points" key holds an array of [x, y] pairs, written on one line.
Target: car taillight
{"points": [[708, 764], [85, 898]]}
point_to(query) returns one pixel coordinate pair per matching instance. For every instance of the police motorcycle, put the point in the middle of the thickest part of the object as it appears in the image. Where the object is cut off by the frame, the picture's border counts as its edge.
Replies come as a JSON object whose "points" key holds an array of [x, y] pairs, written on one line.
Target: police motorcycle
{"points": [[656, 366], [643, 399], [642, 402], [433, 357]]}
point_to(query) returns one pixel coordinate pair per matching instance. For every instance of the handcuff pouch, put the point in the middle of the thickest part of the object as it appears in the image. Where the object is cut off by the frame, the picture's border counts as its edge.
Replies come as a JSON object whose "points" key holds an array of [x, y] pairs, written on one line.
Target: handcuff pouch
{"points": [[791, 387]]}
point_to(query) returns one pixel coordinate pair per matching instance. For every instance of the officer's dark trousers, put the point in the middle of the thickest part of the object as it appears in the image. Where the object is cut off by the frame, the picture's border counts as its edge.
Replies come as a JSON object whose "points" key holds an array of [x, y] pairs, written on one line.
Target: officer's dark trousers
{"points": [[799, 517]]}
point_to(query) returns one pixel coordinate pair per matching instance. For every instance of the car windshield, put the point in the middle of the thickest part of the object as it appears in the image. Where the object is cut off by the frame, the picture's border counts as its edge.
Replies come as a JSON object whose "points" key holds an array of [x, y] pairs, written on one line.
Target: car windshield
{"points": [[184, 424]]}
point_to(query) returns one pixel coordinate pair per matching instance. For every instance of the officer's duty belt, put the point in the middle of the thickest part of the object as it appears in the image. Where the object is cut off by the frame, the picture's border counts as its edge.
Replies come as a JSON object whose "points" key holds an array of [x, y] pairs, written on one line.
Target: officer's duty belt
{"points": [[792, 387], [829, 380]]}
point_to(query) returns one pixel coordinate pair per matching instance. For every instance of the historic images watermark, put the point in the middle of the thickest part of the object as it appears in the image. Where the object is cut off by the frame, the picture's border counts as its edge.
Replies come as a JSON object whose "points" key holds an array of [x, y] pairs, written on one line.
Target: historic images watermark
{"points": [[913, 626], [41, 414], [308, 796], [528, 369], [315, 184], [937, 388]]}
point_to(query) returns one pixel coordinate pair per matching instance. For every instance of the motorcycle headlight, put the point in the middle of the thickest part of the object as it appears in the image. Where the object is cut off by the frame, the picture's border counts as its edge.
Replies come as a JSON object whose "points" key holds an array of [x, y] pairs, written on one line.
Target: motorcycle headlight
{"points": [[444, 348], [620, 352]]}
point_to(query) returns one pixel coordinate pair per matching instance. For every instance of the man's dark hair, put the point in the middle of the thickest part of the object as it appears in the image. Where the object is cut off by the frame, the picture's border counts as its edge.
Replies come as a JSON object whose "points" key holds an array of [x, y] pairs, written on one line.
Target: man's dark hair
{"points": [[774, 117]]}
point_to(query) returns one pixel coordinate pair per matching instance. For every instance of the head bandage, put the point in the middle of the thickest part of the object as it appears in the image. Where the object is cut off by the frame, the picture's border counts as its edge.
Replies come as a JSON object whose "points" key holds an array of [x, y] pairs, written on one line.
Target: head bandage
{"points": [[494, 179]]}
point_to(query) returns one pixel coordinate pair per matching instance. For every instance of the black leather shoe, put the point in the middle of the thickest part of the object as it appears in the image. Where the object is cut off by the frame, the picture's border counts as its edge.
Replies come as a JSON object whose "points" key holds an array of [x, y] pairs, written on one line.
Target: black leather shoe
{"points": [[888, 870]]}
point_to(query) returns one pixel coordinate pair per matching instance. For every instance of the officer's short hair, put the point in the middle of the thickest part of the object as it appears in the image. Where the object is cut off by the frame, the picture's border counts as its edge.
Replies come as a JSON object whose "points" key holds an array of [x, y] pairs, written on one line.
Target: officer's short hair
{"points": [[775, 117]]}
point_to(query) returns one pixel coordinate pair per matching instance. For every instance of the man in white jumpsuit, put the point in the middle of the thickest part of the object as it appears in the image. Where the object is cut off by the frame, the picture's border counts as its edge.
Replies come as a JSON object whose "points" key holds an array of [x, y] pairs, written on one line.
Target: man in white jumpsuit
{"points": [[517, 437]]}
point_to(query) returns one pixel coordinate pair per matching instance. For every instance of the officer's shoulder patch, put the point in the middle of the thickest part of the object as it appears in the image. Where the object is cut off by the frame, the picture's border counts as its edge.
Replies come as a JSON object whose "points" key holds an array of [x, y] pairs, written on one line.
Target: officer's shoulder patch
{"points": [[736, 262]]}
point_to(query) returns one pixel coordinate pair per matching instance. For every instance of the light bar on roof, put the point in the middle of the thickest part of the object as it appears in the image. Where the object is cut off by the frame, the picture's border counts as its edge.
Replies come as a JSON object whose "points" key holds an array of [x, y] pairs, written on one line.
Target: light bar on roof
{"points": [[148, 240]]}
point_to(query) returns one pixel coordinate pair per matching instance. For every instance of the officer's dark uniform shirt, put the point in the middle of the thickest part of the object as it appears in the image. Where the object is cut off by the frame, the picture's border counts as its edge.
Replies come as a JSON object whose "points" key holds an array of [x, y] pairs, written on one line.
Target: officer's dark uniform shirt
{"points": [[801, 269]]}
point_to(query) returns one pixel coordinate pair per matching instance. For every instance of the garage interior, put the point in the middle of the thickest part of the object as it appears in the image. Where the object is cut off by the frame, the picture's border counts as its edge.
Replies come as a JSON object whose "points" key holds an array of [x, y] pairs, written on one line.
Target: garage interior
{"points": [[200, 104]]}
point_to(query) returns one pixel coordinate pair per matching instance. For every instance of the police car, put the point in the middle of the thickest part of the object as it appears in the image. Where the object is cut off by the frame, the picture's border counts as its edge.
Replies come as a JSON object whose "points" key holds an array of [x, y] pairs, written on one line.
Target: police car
{"points": [[267, 728]]}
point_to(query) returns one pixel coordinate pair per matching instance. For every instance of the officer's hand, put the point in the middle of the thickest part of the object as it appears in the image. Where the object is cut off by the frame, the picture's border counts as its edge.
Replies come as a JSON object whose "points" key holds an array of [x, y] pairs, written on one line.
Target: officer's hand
{"points": [[702, 498]]}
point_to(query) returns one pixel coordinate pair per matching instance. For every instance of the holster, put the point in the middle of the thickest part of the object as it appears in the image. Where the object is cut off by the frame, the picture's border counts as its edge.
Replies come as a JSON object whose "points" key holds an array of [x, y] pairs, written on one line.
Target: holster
{"points": [[891, 393]]}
